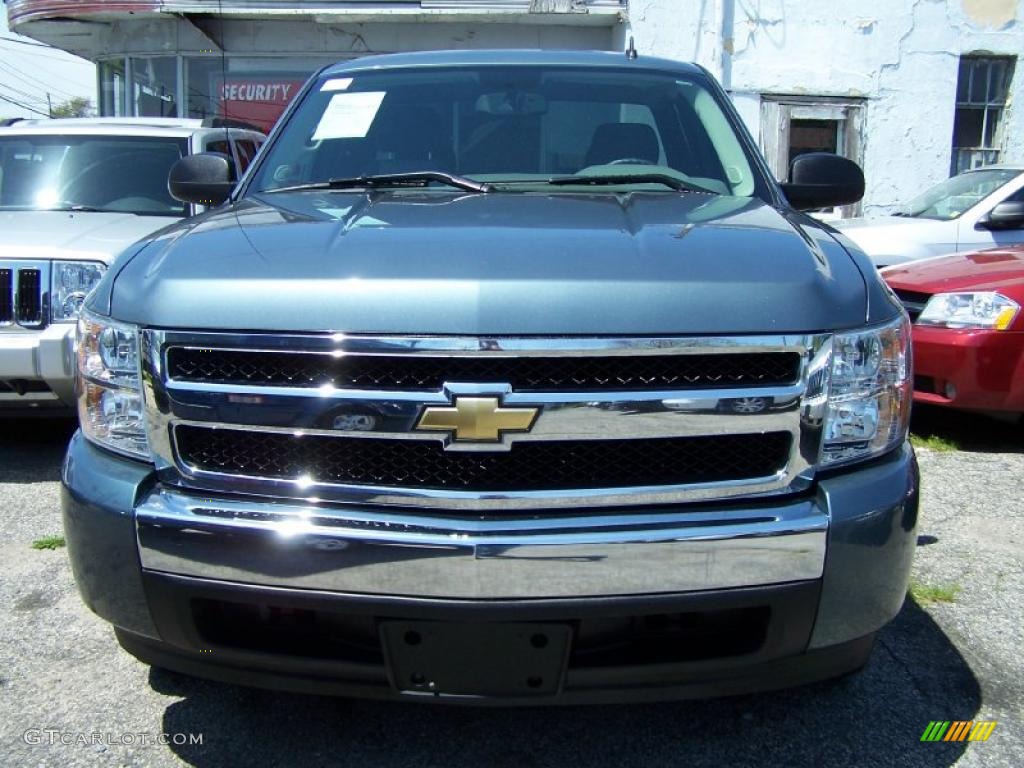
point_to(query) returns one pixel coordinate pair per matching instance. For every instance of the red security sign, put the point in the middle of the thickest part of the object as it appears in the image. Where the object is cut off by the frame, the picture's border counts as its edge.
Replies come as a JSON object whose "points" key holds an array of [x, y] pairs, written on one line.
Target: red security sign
{"points": [[256, 100]]}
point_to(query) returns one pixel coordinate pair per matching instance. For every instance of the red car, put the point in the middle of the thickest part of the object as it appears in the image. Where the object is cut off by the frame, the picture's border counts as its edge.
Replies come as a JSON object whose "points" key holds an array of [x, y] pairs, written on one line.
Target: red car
{"points": [[968, 328]]}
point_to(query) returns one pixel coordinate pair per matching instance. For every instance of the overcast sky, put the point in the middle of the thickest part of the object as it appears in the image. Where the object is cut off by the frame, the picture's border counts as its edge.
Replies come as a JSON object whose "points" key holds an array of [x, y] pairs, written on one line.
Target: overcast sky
{"points": [[28, 72]]}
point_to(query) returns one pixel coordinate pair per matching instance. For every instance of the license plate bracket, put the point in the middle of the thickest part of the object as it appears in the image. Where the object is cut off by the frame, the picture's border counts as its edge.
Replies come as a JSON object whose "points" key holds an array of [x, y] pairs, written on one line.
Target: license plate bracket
{"points": [[476, 658]]}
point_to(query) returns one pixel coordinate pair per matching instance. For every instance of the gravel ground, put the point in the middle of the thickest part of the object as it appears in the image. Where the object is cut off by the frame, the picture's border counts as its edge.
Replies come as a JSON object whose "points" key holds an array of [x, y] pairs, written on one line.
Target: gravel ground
{"points": [[60, 668]]}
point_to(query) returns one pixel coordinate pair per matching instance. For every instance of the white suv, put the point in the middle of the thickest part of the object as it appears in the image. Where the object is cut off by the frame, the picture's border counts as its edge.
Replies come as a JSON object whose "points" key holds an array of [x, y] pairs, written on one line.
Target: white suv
{"points": [[73, 194]]}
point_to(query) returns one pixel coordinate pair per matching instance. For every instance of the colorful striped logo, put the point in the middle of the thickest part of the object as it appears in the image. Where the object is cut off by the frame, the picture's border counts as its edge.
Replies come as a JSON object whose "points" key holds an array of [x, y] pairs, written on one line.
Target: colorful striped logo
{"points": [[959, 730]]}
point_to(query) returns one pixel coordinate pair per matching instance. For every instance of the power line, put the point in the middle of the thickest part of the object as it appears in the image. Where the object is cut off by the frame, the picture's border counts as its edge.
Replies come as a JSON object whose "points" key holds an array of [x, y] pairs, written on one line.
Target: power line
{"points": [[21, 93], [33, 43], [19, 73], [32, 81], [64, 55], [22, 106], [29, 102], [35, 82], [42, 109]]}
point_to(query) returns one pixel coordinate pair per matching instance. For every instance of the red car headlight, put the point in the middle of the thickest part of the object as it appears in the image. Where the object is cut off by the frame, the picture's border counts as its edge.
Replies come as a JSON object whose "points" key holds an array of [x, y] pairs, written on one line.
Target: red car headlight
{"points": [[982, 310]]}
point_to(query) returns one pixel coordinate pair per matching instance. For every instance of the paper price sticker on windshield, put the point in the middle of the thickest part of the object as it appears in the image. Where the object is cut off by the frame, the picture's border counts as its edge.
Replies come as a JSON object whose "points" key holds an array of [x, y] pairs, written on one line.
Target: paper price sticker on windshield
{"points": [[348, 115], [337, 84]]}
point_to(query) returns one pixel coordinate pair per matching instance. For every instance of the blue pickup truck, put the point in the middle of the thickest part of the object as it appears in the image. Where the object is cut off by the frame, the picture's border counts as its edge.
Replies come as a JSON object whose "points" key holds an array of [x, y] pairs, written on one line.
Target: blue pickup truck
{"points": [[500, 377]]}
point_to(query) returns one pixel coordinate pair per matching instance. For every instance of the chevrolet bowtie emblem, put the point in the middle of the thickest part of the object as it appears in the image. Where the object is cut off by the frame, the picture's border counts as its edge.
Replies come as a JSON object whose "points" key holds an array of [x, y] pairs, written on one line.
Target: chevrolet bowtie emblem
{"points": [[481, 419]]}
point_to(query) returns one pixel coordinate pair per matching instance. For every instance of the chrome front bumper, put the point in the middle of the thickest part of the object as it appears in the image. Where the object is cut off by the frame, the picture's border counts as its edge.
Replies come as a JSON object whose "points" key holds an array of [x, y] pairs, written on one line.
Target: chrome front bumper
{"points": [[123, 527], [555, 555], [46, 355]]}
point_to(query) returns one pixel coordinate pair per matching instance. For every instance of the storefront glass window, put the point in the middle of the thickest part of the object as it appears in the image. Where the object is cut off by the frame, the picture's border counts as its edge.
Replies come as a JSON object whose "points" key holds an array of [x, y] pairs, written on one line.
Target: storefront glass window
{"points": [[253, 90], [154, 86], [202, 74], [112, 81]]}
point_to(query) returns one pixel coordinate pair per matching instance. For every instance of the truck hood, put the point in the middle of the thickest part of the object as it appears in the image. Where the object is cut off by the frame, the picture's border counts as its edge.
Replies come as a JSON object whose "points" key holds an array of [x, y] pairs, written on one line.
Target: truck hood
{"points": [[493, 264], [72, 234], [999, 269]]}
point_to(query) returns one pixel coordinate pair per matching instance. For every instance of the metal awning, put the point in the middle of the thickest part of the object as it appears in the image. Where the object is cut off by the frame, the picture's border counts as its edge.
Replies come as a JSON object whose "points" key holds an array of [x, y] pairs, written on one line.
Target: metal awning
{"points": [[22, 11]]}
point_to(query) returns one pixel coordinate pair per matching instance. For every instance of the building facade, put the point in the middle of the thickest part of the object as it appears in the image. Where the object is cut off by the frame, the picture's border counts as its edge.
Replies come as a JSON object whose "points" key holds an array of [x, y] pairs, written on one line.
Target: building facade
{"points": [[911, 89]]}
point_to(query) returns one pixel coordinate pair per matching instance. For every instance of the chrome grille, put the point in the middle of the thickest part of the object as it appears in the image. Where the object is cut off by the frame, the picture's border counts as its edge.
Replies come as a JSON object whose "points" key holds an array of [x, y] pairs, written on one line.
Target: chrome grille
{"points": [[707, 418], [536, 466], [534, 374], [24, 294]]}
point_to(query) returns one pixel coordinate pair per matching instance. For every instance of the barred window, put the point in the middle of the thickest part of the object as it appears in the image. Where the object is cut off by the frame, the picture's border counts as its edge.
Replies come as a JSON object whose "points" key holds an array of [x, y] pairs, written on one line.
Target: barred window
{"points": [[981, 92]]}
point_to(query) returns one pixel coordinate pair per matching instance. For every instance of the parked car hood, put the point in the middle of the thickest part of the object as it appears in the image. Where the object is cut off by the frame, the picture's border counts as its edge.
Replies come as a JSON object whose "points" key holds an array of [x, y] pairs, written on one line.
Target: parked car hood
{"points": [[72, 234], [880, 222], [998, 269], [493, 264], [898, 239]]}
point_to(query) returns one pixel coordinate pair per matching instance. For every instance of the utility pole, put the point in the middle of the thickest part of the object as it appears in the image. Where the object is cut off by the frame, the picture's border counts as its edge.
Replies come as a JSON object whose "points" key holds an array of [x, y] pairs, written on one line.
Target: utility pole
{"points": [[49, 105]]}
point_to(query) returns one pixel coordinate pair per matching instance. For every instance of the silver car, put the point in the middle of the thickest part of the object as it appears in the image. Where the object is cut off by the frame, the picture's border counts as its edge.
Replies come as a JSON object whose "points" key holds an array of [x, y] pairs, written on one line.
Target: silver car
{"points": [[974, 210], [73, 194]]}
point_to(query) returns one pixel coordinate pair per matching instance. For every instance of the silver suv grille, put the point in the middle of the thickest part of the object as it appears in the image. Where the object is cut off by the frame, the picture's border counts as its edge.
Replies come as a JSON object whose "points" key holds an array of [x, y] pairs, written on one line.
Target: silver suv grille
{"points": [[24, 294], [618, 421]]}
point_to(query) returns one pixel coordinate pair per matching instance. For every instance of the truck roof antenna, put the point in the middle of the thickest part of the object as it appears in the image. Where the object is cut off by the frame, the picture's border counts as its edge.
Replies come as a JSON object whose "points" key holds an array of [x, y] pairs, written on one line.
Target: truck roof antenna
{"points": [[631, 51]]}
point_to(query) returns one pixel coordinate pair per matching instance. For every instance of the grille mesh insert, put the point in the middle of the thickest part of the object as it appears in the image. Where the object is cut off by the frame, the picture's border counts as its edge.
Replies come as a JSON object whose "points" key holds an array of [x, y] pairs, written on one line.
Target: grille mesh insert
{"points": [[539, 374], [528, 466]]}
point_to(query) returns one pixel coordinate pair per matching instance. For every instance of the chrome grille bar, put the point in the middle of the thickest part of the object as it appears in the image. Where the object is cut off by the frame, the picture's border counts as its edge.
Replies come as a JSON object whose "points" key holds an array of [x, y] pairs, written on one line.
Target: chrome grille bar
{"points": [[28, 299]]}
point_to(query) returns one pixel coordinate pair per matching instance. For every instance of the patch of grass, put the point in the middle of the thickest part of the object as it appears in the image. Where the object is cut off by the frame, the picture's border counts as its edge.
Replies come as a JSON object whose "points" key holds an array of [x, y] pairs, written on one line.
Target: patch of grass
{"points": [[934, 443], [934, 593], [48, 542]]}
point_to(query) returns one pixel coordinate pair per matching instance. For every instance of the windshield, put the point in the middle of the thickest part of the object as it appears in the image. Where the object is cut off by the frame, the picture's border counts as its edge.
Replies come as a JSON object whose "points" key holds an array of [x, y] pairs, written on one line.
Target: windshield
{"points": [[950, 198], [122, 174], [512, 125]]}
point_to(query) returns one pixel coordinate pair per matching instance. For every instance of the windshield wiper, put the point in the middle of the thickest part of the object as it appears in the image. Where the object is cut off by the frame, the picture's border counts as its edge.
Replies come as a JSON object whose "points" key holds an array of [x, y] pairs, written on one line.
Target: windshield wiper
{"points": [[631, 178], [413, 179], [76, 207]]}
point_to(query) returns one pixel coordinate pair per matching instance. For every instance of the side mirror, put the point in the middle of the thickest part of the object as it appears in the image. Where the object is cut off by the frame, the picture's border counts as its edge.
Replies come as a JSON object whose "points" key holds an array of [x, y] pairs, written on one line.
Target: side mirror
{"points": [[821, 180], [204, 179], [1007, 215]]}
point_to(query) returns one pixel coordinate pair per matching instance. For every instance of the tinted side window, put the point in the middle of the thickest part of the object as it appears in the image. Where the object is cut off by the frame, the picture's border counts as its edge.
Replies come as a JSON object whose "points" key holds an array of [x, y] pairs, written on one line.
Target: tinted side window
{"points": [[222, 146], [246, 152]]}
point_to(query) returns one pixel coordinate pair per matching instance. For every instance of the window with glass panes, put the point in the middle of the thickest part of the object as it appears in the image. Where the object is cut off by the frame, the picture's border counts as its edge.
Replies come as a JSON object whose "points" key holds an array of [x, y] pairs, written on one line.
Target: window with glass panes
{"points": [[981, 92]]}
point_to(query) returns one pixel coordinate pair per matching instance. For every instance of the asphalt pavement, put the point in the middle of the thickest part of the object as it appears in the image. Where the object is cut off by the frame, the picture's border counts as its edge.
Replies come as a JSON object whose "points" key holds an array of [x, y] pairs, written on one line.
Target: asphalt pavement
{"points": [[952, 654]]}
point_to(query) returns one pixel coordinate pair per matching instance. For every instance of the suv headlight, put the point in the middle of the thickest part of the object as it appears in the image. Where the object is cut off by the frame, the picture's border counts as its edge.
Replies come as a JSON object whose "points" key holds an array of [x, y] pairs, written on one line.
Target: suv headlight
{"points": [[985, 309], [869, 393], [109, 390], [70, 283]]}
